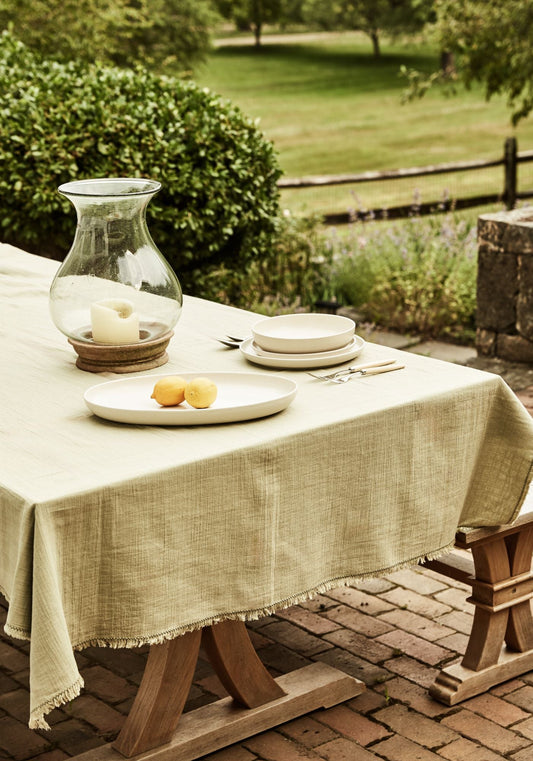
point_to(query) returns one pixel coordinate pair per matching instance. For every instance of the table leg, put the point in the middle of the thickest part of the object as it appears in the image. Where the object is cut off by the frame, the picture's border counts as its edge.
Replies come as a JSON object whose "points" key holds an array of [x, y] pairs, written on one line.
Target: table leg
{"points": [[162, 693], [152, 726], [238, 666]]}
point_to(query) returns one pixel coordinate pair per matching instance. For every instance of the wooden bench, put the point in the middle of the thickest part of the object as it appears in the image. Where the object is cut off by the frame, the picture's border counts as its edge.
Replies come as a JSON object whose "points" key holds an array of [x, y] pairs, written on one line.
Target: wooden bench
{"points": [[500, 646]]}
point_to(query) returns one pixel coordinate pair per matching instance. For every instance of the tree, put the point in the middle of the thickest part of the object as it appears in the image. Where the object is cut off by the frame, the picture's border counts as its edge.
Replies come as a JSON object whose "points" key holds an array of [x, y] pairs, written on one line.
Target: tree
{"points": [[492, 42], [291, 13], [113, 31], [250, 14], [173, 31], [373, 17]]}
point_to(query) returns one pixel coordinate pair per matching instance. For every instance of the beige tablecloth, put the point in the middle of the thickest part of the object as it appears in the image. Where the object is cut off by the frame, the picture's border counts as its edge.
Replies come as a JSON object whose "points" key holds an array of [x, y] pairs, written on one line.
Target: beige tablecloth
{"points": [[119, 535]]}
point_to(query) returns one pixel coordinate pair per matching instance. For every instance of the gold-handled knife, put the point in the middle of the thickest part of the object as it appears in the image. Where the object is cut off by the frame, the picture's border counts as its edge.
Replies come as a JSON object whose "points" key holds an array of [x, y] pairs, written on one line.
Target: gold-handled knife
{"points": [[353, 369], [343, 377]]}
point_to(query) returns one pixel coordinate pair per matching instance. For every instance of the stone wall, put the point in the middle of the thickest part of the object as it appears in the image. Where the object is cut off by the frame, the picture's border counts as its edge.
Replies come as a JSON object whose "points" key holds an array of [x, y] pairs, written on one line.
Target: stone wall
{"points": [[505, 285]]}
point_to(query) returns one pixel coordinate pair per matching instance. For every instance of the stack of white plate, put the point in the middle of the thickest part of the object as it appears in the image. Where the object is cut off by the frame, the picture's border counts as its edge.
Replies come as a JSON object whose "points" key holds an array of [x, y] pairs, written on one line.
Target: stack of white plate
{"points": [[303, 340]]}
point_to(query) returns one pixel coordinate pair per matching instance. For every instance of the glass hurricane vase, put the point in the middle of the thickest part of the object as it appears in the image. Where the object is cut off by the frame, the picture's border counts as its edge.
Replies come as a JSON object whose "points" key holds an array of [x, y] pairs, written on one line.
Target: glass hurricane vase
{"points": [[115, 296]]}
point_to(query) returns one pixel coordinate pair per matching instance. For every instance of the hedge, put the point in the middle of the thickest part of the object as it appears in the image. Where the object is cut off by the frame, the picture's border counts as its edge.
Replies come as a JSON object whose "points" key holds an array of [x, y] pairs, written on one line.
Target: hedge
{"points": [[219, 201]]}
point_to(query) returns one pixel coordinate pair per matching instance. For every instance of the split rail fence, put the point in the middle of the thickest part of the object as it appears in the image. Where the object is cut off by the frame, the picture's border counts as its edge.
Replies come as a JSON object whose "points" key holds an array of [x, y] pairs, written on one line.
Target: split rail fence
{"points": [[508, 194]]}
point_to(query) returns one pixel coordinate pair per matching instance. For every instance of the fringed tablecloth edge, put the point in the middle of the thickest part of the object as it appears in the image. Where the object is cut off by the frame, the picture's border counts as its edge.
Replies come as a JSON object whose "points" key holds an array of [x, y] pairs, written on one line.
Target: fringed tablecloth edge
{"points": [[37, 720], [253, 614]]}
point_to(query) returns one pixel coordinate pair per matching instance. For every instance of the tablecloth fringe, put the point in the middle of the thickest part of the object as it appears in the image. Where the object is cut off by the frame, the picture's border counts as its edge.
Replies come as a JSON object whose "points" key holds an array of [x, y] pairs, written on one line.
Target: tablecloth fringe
{"points": [[37, 720], [253, 614]]}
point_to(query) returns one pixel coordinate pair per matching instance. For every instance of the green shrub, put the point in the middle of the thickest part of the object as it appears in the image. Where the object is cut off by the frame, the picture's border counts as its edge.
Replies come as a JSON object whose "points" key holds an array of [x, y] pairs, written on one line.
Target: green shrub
{"points": [[291, 277], [60, 122], [415, 276]]}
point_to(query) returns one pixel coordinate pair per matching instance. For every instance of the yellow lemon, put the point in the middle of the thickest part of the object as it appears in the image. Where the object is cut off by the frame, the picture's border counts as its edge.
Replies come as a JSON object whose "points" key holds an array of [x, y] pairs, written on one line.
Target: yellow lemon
{"points": [[200, 392], [169, 391]]}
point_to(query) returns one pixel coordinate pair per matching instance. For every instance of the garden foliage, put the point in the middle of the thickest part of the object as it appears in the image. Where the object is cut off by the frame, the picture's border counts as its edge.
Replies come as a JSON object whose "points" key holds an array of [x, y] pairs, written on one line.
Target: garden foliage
{"points": [[117, 32], [65, 121], [415, 276], [291, 278]]}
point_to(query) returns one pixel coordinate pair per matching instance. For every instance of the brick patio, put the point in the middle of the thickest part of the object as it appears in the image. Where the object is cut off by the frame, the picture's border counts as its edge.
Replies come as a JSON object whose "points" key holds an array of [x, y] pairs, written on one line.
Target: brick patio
{"points": [[394, 633]]}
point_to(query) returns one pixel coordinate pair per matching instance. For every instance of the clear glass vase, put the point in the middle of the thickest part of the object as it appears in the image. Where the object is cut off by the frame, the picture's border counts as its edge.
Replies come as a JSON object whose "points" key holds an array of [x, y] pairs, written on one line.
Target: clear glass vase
{"points": [[115, 289]]}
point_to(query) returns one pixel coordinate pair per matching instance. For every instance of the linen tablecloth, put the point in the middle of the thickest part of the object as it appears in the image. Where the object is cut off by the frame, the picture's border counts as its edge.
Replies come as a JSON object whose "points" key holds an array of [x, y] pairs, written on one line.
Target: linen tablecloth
{"points": [[118, 535]]}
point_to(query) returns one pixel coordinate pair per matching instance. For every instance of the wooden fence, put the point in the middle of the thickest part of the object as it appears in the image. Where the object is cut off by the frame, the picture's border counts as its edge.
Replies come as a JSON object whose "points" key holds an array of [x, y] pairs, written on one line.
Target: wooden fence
{"points": [[507, 195]]}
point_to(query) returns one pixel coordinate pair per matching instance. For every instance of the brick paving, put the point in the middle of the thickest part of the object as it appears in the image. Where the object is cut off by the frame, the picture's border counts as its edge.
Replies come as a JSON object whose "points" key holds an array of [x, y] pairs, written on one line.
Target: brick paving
{"points": [[393, 633]]}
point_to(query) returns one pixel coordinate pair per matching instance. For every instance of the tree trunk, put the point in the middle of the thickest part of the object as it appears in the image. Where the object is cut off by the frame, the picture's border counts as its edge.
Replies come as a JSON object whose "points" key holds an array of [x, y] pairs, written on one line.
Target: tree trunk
{"points": [[374, 36], [447, 64], [257, 33]]}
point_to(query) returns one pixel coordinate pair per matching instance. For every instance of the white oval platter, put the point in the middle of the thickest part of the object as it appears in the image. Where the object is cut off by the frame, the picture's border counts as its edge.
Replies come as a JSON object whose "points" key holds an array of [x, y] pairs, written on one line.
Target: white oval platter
{"points": [[241, 396]]}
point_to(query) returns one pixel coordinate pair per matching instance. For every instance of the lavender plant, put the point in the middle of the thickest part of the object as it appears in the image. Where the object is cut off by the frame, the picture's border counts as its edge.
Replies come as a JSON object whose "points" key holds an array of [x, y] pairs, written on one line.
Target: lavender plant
{"points": [[416, 276]]}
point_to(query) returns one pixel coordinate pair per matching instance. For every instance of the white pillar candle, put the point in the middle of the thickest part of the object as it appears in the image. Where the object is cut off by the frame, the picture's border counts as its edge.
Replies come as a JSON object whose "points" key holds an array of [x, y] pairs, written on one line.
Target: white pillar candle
{"points": [[113, 321]]}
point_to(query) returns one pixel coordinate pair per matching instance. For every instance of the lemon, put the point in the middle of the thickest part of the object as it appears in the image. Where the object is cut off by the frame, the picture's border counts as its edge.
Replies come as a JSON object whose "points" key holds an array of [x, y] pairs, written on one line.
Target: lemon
{"points": [[200, 392], [169, 391]]}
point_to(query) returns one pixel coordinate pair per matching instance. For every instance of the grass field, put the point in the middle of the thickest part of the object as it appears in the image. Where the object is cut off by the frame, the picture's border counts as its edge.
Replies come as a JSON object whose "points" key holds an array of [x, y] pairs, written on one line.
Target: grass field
{"points": [[331, 108]]}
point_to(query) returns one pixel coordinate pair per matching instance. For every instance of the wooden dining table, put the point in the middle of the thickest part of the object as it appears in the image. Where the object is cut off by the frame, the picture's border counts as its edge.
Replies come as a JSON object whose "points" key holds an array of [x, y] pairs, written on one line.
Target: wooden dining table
{"points": [[120, 534]]}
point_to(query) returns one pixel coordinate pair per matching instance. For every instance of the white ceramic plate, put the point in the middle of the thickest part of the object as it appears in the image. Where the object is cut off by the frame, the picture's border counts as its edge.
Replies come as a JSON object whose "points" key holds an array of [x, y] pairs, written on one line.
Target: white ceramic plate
{"points": [[303, 333], [303, 361], [241, 396], [311, 355]]}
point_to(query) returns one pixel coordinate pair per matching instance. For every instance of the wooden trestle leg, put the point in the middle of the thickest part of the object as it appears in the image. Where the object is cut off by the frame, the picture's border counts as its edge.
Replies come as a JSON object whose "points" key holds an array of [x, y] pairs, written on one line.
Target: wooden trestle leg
{"points": [[501, 592], [258, 702], [238, 666], [161, 697], [500, 646]]}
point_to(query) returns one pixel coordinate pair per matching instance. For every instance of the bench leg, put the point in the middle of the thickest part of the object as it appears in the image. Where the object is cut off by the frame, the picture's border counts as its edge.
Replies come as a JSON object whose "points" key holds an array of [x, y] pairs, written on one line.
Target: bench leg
{"points": [[519, 634], [492, 565], [500, 646]]}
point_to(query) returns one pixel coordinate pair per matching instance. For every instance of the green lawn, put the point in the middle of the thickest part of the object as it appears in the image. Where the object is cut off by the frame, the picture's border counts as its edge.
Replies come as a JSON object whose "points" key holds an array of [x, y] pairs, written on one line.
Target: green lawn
{"points": [[331, 108]]}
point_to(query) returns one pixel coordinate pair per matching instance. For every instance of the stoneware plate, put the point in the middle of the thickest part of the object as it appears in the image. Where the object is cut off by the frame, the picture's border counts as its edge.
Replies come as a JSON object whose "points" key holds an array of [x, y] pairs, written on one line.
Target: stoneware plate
{"points": [[303, 333], [241, 396], [302, 361]]}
